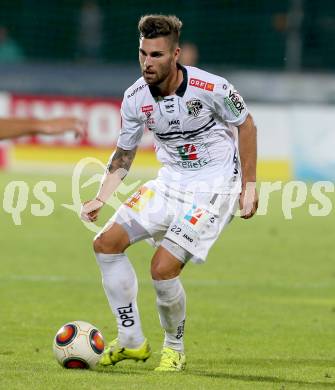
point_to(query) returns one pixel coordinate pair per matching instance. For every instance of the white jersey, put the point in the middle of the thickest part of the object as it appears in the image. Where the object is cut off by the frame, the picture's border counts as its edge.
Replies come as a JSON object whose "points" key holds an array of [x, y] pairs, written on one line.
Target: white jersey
{"points": [[193, 130]]}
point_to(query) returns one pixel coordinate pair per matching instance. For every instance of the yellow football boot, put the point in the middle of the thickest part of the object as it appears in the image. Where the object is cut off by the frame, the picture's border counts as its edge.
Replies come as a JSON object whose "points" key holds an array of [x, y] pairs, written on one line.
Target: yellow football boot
{"points": [[171, 360], [114, 353]]}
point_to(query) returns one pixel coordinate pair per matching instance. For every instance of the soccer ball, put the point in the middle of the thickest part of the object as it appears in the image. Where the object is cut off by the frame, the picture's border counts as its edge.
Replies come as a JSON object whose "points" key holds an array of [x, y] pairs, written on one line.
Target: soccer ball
{"points": [[78, 344]]}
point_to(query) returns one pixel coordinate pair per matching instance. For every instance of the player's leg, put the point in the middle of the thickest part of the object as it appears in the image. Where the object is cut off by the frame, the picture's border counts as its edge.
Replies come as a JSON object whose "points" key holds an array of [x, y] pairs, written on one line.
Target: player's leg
{"points": [[191, 234], [142, 216], [113, 239], [120, 285], [166, 266]]}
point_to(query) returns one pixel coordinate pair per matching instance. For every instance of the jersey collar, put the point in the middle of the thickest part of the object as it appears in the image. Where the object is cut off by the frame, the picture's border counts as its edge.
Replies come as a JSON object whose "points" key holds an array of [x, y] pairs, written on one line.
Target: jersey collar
{"points": [[182, 87], [180, 90]]}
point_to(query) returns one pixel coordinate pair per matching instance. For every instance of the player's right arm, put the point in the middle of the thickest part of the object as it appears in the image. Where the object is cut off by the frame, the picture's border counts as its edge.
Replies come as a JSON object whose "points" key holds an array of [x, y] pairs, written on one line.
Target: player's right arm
{"points": [[120, 161], [117, 169]]}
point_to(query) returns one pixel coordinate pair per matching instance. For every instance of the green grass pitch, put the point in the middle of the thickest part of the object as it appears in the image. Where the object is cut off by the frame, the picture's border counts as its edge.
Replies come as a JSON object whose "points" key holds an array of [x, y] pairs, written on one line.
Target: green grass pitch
{"points": [[261, 311]]}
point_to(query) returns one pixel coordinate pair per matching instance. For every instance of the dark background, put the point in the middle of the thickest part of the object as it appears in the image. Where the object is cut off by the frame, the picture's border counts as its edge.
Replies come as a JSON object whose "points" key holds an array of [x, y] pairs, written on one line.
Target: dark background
{"points": [[249, 34]]}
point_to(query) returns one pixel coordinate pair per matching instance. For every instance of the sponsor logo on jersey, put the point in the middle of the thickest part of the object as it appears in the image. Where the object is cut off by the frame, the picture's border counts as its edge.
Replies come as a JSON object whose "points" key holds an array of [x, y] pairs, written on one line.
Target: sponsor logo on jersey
{"points": [[146, 109], [235, 160], [188, 152], [234, 102], [201, 84], [174, 122], [136, 90], [193, 215], [197, 164], [169, 107], [209, 87], [138, 200], [150, 122], [194, 107]]}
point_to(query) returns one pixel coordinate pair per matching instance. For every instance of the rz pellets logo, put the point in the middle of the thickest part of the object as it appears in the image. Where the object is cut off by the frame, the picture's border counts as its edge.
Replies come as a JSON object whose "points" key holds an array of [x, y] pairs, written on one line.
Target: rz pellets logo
{"points": [[234, 102], [188, 152]]}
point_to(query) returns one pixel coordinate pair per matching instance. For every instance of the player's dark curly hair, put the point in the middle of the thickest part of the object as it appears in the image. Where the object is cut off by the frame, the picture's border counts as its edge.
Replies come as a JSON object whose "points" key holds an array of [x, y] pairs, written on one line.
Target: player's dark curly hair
{"points": [[154, 26]]}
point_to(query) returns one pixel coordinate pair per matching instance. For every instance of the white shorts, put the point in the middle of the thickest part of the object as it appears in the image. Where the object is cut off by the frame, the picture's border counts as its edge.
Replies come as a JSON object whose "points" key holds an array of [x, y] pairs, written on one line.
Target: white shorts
{"points": [[191, 220]]}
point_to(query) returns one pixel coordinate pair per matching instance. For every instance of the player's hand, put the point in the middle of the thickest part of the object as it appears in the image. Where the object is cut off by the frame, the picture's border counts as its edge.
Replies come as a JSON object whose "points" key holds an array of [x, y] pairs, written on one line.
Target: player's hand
{"points": [[90, 210], [61, 125], [248, 200]]}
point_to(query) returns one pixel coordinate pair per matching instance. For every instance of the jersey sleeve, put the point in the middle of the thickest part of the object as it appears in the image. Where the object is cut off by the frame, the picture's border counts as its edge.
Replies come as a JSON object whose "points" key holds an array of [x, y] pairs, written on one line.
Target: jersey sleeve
{"points": [[131, 127], [229, 104]]}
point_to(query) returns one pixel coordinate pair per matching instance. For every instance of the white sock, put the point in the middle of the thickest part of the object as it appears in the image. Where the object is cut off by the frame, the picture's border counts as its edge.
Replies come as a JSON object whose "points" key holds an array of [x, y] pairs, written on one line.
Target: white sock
{"points": [[171, 304], [120, 284]]}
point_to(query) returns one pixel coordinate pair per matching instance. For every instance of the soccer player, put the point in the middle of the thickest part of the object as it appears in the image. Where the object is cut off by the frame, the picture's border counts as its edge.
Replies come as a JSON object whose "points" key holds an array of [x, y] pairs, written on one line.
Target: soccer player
{"points": [[13, 127], [193, 115]]}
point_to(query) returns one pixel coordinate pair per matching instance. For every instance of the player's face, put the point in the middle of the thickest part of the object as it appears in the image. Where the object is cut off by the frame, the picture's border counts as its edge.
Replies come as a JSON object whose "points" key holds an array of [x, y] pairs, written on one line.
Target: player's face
{"points": [[157, 59]]}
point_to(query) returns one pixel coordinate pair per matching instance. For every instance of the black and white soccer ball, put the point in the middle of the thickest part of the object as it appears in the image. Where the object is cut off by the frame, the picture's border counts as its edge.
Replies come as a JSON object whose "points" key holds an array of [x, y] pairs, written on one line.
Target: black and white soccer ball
{"points": [[78, 344]]}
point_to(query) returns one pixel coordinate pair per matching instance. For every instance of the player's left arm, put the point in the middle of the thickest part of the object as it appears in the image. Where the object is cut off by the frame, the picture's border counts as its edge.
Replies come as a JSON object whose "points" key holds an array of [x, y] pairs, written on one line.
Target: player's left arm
{"points": [[248, 155]]}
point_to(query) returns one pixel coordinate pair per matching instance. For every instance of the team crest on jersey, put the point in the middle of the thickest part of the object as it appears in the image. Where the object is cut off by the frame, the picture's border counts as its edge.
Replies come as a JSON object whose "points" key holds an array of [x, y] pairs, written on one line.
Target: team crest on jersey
{"points": [[194, 107]]}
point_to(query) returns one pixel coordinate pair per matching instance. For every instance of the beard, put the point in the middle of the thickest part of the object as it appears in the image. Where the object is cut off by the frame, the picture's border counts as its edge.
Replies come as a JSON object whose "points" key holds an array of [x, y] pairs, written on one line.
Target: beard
{"points": [[155, 78]]}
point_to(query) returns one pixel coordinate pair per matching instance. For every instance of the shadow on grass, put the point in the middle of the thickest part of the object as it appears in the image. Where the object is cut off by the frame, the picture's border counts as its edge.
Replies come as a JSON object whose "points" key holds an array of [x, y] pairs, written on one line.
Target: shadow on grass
{"points": [[124, 370], [259, 378], [277, 362], [265, 363], [144, 370]]}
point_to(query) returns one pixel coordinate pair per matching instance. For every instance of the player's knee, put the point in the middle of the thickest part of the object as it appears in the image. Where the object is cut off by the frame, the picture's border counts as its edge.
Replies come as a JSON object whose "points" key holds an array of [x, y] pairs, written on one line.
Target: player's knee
{"points": [[97, 245], [160, 271], [112, 241], [103, 245], [157, 272]]}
